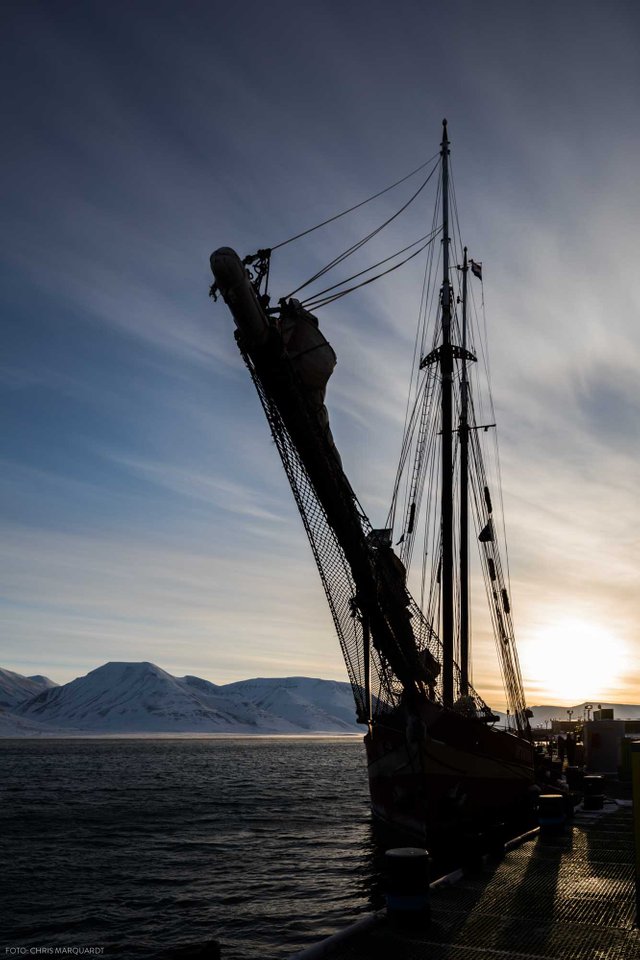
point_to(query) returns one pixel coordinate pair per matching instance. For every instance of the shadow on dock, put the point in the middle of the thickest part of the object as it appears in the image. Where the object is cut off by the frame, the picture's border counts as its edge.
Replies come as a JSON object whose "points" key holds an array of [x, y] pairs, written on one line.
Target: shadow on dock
{"points": [[566, 896]]}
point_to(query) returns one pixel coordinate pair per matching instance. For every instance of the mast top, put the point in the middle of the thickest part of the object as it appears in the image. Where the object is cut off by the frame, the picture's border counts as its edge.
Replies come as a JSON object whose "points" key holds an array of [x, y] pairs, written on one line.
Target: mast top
{"points": [[444, 131]]}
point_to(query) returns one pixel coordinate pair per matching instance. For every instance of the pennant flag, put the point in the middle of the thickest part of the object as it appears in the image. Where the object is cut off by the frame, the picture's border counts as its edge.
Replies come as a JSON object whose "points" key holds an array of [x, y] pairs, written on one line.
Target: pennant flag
{"points": [[476, 269]]}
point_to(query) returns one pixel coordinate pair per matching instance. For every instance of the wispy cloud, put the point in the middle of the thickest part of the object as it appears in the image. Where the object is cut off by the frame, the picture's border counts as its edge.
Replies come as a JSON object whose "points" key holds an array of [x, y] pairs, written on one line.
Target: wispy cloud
{"points": [[147, 513], [114, 598]]}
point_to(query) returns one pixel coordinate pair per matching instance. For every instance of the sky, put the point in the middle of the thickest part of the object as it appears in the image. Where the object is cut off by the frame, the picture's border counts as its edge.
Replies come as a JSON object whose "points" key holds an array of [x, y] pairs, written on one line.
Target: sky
{"points": [[145, 514]]}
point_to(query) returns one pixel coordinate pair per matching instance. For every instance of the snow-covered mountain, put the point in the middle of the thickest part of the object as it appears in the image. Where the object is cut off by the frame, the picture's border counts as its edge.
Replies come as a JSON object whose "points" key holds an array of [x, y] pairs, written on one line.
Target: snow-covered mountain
{"points": [[15, 689], [43, 681], [142, 698], [306, 703]]}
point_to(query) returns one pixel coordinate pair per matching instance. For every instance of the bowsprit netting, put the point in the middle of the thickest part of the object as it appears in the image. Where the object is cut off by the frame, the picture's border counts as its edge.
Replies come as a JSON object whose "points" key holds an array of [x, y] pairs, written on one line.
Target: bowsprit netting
{"points": [[338, 580]]}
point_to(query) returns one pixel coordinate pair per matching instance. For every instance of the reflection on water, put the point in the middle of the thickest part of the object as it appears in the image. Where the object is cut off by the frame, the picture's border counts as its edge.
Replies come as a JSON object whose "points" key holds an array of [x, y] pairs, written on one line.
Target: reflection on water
{"points": [[144, 845]]}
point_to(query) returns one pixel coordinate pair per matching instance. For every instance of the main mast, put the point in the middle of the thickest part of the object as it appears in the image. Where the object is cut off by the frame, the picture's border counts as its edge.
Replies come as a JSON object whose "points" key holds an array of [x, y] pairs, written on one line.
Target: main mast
{"points": [[463, 435], [446, 373]]}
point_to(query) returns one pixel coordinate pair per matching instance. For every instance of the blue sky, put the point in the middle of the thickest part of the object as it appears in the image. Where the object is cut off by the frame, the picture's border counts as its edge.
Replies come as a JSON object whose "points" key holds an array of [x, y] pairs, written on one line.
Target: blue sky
{"points": [[145, 515]]}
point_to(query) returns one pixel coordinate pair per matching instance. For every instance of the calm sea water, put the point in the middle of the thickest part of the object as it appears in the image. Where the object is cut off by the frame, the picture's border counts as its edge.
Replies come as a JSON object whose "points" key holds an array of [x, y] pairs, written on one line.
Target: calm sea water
{"points": [[145, 846]]}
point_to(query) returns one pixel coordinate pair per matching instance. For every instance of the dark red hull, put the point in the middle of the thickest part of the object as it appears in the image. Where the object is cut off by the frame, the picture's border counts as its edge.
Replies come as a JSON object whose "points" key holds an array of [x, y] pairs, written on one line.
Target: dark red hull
{"points": [[456, 771]]}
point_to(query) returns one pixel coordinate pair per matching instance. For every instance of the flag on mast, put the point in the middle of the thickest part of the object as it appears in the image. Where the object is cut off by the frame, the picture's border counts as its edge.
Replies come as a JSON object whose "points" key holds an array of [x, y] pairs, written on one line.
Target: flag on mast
{"points": [[476, 269]]}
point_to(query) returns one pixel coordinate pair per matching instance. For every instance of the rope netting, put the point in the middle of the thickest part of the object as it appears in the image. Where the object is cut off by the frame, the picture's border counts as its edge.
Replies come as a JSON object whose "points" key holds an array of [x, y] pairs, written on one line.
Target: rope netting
{"points": [[336, 573]]}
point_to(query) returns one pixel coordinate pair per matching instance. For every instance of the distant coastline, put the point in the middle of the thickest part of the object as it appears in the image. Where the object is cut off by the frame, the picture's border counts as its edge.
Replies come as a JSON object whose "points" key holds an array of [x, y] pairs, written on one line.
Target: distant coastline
{"points": [[123, 700]]}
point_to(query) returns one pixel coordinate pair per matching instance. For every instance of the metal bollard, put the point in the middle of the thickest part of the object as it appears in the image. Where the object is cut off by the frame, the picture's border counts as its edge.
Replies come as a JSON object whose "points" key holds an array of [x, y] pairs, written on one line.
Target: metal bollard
{"points": [[496, 836], [473, 850], [551, 812], [407, 883], [574, 777], [556, 769], [593, 792]]}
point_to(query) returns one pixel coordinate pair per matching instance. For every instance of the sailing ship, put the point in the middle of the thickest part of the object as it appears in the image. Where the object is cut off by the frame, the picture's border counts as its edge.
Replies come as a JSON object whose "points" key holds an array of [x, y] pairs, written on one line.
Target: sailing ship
{"points": [[437, 756]]}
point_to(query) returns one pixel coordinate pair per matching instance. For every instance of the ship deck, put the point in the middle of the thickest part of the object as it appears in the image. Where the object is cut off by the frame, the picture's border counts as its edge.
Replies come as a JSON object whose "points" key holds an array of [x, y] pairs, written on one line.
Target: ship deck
{"points": [[569, 896]]}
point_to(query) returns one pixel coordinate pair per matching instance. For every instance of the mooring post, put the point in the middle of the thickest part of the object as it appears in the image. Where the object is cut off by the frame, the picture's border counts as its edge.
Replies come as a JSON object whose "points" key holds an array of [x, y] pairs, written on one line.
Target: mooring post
{"points": [[635, 787], [407, 882], [552, 815], [593, 786]]}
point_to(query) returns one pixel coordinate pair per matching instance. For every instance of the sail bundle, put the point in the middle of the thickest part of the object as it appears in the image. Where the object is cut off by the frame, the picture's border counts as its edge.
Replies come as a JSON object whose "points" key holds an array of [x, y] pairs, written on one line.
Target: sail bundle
{"points": [[377, 688]]}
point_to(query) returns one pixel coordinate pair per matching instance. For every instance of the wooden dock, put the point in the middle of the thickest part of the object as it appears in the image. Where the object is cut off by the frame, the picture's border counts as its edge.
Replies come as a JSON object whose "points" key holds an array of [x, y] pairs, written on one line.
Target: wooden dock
{"points": [[569, 896]]}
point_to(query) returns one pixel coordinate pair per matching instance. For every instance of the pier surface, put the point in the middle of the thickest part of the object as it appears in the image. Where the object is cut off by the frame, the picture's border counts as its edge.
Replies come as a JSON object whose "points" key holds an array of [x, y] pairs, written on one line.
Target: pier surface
{"points": [[569, 896]]}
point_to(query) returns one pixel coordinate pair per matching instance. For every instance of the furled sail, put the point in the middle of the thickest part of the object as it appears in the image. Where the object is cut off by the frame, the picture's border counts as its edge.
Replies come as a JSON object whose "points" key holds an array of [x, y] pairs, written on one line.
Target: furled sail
{"points": [[376, 618]]}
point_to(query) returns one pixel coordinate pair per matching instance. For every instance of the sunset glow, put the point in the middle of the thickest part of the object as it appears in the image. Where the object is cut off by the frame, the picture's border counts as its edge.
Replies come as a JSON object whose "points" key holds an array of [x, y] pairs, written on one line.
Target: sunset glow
{"points": [[573, 660]]}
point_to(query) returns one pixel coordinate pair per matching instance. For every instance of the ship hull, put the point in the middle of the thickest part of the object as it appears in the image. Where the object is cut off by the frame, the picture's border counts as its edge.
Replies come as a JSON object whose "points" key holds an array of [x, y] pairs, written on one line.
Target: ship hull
{"points": [[456, 774]]}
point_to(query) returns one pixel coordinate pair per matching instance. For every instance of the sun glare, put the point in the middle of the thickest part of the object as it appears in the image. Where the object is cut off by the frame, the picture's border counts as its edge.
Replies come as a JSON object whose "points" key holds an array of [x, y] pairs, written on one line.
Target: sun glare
{"points": [[571, 661]]}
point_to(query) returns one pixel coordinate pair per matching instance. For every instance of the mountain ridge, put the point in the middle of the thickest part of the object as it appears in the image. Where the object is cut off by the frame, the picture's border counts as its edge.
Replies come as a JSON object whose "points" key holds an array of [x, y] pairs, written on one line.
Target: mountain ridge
{"points": [[127, 698], [14, 687]]}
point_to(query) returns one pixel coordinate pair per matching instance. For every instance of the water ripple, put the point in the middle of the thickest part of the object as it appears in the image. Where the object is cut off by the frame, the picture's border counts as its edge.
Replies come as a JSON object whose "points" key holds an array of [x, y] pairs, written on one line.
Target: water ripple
{"points": [[145, 846]]}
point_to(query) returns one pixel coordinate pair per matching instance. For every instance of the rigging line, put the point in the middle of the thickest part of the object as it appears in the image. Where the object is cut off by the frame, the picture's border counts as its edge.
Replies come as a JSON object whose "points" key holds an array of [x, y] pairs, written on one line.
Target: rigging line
{"points": [[415, 387], [407, 441], [427, 304], [433, 287], [455, 201], [433, 306], [424, 458], [425, 313], [507, 654], [496, 443], [413, 494], [497, 448], [484, 345], [456, 232], [414, 379], [360, 243], [357, 205], [373, 266], [433, 542], [484, 341], [315, 305], [504, 535]]}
